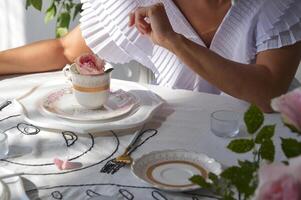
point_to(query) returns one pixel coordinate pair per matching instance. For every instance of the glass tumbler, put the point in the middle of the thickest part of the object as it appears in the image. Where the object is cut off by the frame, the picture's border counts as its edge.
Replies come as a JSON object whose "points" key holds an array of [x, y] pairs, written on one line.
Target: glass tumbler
{"points": [[225, 123], [3, 145]]}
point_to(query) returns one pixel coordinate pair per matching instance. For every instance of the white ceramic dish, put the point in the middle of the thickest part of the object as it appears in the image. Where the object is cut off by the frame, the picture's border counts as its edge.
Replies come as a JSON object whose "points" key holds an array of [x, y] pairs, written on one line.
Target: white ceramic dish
{"points": [[4, 191], [170, 170], [148, 104], [13, 187], [62, 103]]}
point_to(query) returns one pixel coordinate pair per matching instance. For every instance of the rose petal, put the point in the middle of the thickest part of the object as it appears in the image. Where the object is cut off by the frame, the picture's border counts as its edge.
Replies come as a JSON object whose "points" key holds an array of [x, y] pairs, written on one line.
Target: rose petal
{"points": [[290, 107], [295, 167], [58, 163], [65, 164], [286, 187], [71, 165], [271, 172], [90, 64]]}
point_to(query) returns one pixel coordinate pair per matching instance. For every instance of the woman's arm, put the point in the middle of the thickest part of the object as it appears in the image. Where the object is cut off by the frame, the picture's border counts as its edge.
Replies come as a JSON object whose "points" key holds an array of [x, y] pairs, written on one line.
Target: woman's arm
{"points": [[257, 83], [44, 55]]}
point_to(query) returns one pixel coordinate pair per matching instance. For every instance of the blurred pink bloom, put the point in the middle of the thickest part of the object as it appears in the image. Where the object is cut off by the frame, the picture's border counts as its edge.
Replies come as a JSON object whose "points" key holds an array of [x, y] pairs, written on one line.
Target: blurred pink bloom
{"points": [[66, 165], [280, 182], [289, 105], [90, 64]]}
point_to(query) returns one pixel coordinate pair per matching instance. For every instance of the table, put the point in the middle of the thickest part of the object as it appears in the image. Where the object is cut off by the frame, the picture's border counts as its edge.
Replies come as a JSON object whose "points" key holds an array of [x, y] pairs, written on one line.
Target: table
{"points": [[181, 123]]}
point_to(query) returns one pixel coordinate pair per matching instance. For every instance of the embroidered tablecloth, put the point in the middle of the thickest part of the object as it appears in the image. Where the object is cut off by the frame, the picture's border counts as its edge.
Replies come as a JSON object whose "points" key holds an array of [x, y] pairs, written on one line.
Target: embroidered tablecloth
{"points": [[183, 122]]}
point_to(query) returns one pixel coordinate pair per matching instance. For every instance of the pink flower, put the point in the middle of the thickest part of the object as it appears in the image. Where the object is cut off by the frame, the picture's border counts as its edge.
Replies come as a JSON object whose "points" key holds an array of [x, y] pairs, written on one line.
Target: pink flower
{"points": [[289, 105], [280, 182], [90, 64]]}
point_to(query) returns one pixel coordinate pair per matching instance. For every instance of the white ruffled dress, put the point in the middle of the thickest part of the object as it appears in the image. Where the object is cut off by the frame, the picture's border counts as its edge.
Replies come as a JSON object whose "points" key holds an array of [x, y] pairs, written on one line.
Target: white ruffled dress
{"points": [[249, 27]]}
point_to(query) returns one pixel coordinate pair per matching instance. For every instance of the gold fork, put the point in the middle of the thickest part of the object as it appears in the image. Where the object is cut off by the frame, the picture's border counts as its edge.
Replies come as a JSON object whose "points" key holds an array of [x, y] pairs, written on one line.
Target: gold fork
{"points": [[112, 166], [125, 157]]}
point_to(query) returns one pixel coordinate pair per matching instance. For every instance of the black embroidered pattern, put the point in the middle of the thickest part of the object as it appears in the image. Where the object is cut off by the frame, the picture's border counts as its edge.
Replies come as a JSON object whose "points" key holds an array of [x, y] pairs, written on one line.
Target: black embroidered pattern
{"points": [[12, 116], [91, 193], [57, 195], [4, 105], [158, 195], [28, 129], [86, 167], [70, 138], [126, 194], [48, 164]]}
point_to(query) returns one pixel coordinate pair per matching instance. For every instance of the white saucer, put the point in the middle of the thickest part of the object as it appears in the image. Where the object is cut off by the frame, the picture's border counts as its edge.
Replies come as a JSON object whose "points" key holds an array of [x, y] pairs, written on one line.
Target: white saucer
{"points": [[62, 103], [4, 191], [30, 107], [170, 170], [12, 188]]}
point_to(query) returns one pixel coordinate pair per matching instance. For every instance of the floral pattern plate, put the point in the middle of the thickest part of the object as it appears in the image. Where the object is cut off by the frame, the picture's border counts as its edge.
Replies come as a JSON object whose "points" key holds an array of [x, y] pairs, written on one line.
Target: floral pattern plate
{"points": [[170, 170], [30, 105], [62, 103]]}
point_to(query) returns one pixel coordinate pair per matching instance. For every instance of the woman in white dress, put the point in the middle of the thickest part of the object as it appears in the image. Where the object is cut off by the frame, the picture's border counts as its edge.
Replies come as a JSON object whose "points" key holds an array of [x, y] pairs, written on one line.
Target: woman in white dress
{"points": [[249, 49]]}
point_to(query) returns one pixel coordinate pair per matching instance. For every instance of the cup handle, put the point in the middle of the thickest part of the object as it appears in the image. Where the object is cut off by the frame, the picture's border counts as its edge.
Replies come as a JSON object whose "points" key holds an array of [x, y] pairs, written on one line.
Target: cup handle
{"points": [[67, 73]]}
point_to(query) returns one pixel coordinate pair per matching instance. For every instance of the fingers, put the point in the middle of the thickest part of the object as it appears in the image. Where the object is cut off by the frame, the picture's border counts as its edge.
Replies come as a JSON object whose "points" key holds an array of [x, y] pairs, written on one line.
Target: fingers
{"points": [[138, 18], [132, 19]]}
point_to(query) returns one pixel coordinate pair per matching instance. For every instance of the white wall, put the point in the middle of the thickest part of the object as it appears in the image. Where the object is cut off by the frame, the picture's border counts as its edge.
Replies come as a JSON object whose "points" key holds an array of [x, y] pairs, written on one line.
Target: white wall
{"points": [[36, 29], [12, 32]]}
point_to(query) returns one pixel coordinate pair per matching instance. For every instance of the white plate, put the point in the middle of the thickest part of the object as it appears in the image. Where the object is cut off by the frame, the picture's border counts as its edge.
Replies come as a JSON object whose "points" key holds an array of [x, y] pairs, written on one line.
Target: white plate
{"points": [[13, 187], [170, 170], [62, 103], [148, 104]]}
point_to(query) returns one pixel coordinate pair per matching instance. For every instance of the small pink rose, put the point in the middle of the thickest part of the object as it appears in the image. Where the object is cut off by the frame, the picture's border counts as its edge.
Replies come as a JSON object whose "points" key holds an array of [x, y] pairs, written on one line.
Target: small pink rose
{"points": [[90, 64], [286, 187], [280, 182], [289, 105]]}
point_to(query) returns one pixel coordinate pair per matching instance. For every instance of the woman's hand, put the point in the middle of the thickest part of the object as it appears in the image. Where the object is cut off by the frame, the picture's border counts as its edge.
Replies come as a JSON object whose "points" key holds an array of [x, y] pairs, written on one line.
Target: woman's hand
{"points": [[153, 22]]}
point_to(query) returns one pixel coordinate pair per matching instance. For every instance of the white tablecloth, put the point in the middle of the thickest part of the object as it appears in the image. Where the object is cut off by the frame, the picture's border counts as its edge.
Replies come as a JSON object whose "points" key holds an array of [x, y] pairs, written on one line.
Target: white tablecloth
{"points": [[182, 123]]}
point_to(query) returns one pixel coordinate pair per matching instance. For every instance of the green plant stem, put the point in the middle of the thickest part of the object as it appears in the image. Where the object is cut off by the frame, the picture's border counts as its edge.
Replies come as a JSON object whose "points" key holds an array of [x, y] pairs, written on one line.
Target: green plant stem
{"points": [[258, 158]]}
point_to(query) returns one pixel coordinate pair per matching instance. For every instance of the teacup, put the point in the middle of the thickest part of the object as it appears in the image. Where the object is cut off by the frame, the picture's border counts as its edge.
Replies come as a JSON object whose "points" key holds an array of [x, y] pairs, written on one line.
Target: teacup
{"points": [[90, 91]]}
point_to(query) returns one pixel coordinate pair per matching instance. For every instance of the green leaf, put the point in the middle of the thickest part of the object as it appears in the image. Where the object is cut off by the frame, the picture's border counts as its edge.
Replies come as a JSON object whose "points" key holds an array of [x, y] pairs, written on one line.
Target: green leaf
{"points": [[267, 150], [50, 13], [228, 197], [253, 119], [28, 3], [266, 133], [64, 20], [77, 10], [60, 32], [199, 180], [213, 178], [248, 164], [293, 128], [241, 145], [68, 6], [242, 178], [37, 4], [291, 147]]}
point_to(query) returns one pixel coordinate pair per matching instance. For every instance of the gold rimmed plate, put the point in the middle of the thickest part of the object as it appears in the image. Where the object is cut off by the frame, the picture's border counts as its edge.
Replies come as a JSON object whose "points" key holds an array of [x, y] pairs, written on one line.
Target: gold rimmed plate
{"points": [[62, 103], [170, 170]]}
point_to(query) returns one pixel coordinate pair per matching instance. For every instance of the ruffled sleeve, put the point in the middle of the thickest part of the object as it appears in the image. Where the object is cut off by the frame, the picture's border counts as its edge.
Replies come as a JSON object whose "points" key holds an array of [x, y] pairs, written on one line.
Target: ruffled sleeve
{"points": [[279, 24], [104, 26]]}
